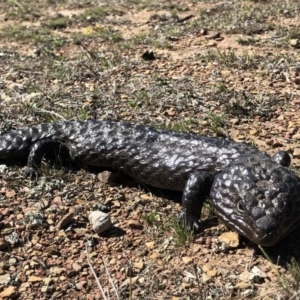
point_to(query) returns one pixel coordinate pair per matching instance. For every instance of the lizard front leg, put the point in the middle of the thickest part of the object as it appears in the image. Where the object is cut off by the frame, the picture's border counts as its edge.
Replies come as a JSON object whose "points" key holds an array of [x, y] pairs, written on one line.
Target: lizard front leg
{"points": [[196, 189]]}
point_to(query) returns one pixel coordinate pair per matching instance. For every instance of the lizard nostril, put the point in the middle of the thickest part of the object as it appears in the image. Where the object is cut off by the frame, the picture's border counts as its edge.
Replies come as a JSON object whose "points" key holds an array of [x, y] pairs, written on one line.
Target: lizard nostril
{"points": [[240, 207]]}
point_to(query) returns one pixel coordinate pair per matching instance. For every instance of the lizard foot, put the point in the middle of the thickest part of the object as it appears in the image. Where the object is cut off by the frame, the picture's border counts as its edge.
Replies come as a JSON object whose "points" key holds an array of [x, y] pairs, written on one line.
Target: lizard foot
{"points": [[190, 221]]}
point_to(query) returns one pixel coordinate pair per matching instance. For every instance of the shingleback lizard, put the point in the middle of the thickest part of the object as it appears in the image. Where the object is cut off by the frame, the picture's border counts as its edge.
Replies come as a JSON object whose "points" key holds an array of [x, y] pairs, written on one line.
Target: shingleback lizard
{"points": [[252, 193]]}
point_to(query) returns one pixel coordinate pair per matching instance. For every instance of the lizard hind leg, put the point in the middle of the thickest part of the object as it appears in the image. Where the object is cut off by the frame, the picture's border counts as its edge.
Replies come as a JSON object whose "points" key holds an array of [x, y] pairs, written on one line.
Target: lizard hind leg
{"points": [[196, 189], [43, 148]]}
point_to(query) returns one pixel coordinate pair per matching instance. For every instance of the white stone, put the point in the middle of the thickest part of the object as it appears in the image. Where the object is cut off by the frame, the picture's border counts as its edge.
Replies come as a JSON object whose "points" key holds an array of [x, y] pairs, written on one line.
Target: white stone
{"points": [[5, 279], [100, 221]]}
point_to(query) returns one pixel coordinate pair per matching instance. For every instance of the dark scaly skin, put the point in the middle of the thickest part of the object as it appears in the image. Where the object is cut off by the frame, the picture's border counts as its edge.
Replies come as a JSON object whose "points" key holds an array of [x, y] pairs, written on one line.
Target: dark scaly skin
{"points": [[252, 193]]}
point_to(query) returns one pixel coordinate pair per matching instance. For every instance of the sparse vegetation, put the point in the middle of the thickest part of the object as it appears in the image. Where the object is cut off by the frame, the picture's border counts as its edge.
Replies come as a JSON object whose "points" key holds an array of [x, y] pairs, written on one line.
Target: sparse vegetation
{"points": [[20, 10], [59, 22], [181, 234], [293, 287], [230, 59], [290, 282], [183, 125], [24, 33], [140, 38], [98, 13], [152, 218], [216, 123]]}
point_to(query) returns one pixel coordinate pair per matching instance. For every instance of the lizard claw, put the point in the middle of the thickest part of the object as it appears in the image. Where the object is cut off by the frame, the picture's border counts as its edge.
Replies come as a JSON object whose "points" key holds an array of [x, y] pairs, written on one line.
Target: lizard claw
{"points": [[190, 221]]}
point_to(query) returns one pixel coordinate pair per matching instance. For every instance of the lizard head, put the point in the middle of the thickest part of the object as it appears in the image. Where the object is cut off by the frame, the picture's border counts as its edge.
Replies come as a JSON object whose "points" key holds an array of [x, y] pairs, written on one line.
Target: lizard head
{"points": [[257, 198]]}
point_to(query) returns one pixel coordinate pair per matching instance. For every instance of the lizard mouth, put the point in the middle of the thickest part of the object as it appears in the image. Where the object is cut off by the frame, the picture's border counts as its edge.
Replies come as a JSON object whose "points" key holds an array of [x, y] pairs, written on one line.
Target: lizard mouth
{"points": [[257, 198], [266, 236], [249, 228]]}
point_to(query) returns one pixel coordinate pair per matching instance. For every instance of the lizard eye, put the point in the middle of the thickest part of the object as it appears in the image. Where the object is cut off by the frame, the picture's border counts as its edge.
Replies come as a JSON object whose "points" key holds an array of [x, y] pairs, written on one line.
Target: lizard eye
{"points": [[282, 158]]}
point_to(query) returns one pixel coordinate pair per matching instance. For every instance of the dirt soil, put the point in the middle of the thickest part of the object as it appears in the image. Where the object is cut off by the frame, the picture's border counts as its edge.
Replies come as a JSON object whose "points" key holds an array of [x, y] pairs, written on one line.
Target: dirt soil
{"points": [[219, 68]]}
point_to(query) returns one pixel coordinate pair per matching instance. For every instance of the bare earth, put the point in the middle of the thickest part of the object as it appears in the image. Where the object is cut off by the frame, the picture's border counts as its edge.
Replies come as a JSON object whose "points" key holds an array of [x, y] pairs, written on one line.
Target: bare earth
{"points": [[220, 68]]}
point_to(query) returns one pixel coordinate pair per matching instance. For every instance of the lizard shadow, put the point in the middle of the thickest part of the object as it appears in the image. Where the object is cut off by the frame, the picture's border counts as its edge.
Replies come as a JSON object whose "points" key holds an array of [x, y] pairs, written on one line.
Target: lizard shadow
{"points": [[165, 196]]}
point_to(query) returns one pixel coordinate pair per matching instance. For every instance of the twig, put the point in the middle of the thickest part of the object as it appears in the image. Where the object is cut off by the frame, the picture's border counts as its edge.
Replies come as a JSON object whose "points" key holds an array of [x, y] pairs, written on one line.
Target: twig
{"points": [[51, 112], [50, 274], [110, 279], [94, 273], [20, 6], [251, 260], [130, 280], [198, 282], [130, 277], [40, 262], [287, 78], [58, 294]]}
